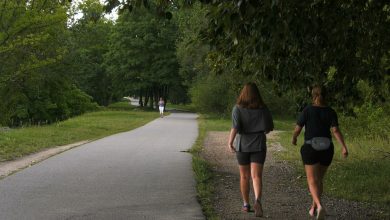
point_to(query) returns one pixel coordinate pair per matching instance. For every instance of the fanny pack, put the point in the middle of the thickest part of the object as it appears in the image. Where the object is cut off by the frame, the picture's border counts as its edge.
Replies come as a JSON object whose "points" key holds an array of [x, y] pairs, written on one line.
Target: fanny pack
{"points": [[319, 143]]}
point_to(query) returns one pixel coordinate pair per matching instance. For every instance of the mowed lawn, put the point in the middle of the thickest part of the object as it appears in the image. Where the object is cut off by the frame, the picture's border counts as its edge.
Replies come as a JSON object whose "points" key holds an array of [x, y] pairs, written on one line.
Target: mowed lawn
{"points": [[18, 142]]}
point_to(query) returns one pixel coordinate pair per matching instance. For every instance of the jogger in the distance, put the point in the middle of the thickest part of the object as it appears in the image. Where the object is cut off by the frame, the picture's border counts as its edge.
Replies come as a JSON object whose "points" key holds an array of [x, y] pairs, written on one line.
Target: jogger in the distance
{"points": [[251, 121], [161, 106], [317, 150]]}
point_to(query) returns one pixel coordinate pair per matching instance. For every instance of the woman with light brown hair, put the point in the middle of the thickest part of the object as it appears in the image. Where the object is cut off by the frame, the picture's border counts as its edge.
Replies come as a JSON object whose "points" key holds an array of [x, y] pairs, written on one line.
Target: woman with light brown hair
{"points": [[317, 150], [251, 121]]}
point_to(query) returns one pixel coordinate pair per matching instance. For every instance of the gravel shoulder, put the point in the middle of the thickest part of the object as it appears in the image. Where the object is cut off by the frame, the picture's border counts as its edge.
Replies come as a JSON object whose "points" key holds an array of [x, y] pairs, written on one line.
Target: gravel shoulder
{"points": [[283, 197]]}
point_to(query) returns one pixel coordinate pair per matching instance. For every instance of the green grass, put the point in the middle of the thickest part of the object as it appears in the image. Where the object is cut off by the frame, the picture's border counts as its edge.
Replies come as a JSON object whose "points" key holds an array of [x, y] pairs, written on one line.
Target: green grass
{"points": [[364, 176], [203, 173], [283, 123], [215, 123], [23, 141], [184, 107], [125, 105]]}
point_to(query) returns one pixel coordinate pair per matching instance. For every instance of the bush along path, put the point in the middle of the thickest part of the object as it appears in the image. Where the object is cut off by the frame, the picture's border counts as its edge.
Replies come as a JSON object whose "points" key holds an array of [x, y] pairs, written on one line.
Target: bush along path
{"points": [[283, 195]]}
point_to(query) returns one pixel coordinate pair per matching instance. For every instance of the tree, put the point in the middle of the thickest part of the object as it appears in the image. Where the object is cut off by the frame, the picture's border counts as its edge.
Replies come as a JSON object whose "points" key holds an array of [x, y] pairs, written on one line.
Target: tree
{"points": [[191, 50], [88, 43], [142, 57], [34, 86], [294, 44]]}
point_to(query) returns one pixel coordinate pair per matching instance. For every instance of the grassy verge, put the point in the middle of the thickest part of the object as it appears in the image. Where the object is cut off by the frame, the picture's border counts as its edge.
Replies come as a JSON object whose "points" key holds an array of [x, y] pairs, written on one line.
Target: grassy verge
{"points": [[363, 176], [122, 106], [19, 142], [184, 107], [203, 172]]}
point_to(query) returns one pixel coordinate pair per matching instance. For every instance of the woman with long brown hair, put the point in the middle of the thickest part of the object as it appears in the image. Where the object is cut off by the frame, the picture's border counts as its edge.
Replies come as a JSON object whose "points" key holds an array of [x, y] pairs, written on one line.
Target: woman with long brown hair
{"points": [[251, 121], [317, 150]]}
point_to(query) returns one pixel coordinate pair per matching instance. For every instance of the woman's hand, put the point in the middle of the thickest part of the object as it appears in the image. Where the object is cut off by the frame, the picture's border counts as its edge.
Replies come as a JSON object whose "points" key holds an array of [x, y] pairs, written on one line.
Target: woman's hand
{"points": [[294, 140], [232, 149], [232, 135], [344, 152], [297, 131], [337, 134]]}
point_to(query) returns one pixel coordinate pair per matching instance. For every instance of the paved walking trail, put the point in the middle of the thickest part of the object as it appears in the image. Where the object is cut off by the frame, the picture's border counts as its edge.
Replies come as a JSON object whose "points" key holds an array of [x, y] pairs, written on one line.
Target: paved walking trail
{"points": [[141, 174]]}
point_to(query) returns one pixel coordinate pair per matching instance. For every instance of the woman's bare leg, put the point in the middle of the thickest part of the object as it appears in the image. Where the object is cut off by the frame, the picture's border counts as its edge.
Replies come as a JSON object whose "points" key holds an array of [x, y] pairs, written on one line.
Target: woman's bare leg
{"points": [[245, 173], [312, 173], [257, 173], [321, 170], [321, 173]]}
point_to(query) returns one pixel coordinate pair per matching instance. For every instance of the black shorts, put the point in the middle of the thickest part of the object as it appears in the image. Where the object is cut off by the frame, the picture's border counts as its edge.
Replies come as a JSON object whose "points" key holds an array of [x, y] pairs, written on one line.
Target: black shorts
{"points": [[245, 158], [311, 156]]}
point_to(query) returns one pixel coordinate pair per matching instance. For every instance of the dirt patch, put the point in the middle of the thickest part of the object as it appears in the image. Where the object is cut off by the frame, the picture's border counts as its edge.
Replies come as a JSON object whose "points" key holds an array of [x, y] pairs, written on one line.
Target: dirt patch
{"points": [[283, 198]]}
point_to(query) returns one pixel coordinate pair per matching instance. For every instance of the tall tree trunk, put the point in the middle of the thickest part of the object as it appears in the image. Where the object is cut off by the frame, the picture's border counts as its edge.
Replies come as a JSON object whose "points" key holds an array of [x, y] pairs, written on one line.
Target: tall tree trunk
{"points": [[151, 97], [156, 96], [141, 104], [166, 92], [146, 98]]}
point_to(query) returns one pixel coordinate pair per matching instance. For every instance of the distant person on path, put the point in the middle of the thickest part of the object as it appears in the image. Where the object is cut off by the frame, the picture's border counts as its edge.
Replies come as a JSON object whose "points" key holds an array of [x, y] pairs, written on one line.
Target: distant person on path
{"points": [[251, 121], [161, 105], [317, 150]]}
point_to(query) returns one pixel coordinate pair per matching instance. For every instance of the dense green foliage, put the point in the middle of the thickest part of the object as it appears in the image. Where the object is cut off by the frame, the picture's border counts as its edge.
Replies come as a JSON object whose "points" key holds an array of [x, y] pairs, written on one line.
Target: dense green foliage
{"points": [[58, 59], [141, 58], [289, 46], [212, 94], [295, 44], [35, 86], [89, 37]]}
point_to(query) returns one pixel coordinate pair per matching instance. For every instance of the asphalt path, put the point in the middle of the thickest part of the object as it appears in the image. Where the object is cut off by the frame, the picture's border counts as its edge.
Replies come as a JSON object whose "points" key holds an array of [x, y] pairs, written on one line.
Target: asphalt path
{"points": [[140, 174]]}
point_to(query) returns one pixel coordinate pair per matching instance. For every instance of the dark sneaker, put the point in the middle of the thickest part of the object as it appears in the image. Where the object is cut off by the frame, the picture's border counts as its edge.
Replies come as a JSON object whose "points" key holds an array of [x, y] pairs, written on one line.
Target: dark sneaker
{"points": [[246, 208]]}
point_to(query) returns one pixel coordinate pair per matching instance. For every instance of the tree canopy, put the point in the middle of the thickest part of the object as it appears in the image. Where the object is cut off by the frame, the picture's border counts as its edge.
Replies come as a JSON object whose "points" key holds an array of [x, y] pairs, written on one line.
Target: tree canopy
{"points": [[54, 64], [299, 43], [295, 44], [141, 59], [34, 84]]}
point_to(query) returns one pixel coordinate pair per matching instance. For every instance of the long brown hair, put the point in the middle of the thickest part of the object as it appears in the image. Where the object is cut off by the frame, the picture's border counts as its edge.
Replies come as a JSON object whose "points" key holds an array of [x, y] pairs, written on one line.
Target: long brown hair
{"points": [[250, 97], [318, 95]]}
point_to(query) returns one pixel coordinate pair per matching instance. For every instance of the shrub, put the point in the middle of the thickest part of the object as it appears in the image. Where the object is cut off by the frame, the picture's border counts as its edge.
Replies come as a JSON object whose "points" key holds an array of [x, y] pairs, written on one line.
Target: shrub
{"points": [[212, 94]]}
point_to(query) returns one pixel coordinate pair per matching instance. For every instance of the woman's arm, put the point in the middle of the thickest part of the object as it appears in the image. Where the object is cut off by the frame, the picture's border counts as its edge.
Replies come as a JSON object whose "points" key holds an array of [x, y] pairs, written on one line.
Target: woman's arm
{"points": [[296, 133], [232, 135], [337, 134], [269, 122]]}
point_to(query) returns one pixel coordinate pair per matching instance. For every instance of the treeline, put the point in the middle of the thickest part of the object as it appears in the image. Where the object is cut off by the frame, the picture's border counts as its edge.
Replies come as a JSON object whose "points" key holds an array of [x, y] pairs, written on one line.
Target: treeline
{"points": [[286, 47], [58, 59], [54, 66]]}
